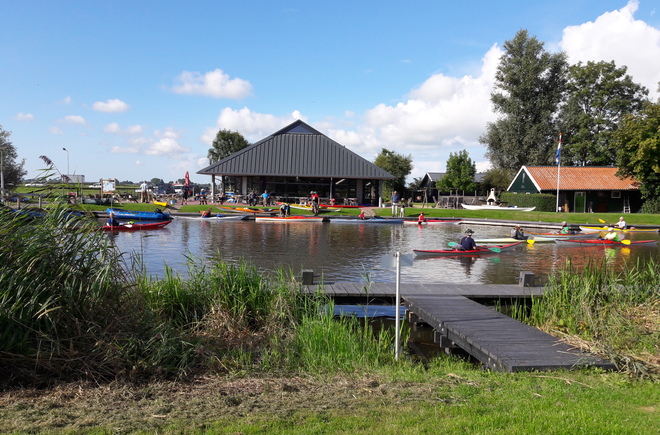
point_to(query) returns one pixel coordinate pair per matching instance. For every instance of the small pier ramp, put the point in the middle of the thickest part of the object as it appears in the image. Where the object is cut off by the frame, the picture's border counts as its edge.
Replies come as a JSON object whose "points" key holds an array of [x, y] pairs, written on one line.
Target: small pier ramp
{"points": [[498, 341], [455, 317]]}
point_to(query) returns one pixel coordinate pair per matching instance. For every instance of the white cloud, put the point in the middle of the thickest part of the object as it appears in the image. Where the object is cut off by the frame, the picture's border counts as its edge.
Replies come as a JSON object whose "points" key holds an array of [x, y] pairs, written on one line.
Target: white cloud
{"points": [[618, 36], [74, 119], [115, 128], [20, 116], [66, 100], [253, 126], [111, 106], [124, 150], [167, 144], [112, 128], [55, 130], [215, 84]]}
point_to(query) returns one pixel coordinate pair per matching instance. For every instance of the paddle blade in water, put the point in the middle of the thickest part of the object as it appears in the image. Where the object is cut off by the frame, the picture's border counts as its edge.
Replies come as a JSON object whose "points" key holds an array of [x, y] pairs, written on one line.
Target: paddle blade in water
{"points": [[452, 244], [625, 241], [530, 241]]}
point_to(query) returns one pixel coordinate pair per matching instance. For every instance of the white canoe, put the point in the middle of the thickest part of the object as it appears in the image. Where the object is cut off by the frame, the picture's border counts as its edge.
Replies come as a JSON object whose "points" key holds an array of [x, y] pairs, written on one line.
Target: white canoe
{"points": [[366, 221], [289, 219], [512, 240], [433, 221], [496, 207]]}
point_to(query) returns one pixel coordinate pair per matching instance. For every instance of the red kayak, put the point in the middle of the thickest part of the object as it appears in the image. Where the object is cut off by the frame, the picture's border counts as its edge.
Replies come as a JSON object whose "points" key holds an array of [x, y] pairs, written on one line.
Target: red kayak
{"points": [[598, 242], [452, 252], [137, 227]]}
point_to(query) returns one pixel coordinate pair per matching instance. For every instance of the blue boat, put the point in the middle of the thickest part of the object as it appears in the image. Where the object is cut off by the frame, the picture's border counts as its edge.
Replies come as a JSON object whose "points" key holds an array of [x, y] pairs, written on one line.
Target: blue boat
{"points": [[157, 215]]}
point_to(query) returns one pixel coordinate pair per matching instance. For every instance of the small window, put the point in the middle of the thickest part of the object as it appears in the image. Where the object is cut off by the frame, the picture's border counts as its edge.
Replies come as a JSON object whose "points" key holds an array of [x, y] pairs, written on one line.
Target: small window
{"points": [[616, 194]]}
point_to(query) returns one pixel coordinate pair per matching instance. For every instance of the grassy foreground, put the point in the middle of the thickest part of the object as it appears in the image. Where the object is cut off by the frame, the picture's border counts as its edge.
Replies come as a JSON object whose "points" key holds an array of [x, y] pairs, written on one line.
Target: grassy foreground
{"points": [[90, 345]]}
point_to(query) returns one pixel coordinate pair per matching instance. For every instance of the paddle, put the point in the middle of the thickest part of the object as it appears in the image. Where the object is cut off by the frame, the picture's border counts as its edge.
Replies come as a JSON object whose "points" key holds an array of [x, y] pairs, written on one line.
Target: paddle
{"points": [[625, 241], [452, 244], [530, 241], [601, 221], [494, 249]]}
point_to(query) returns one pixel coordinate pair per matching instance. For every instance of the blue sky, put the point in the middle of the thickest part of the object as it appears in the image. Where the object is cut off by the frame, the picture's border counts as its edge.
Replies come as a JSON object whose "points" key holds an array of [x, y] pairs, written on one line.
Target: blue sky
{"points": [[138, 89]]}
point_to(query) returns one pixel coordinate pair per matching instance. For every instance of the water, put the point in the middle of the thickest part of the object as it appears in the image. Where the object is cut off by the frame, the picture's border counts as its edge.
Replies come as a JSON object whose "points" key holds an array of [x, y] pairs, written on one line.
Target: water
{"points": [[349, 252]]}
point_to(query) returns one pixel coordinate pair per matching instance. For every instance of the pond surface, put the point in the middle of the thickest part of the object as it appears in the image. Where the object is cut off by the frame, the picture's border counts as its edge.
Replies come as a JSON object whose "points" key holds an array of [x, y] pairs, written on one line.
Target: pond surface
{"points": [[350, 251]]}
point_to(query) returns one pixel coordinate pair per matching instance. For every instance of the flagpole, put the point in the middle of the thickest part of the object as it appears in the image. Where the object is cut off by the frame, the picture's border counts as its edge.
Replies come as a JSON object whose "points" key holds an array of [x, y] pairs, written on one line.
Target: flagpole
{"points": [[558, 161]]}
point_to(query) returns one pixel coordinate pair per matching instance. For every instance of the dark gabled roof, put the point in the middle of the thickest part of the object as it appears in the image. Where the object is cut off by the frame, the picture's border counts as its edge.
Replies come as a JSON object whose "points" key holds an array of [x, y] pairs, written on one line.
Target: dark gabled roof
{"points": [[297, 150]]}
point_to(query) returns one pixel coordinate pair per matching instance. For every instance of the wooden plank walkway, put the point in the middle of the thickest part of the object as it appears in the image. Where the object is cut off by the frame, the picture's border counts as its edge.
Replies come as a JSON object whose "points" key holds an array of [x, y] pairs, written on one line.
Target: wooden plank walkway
{"points": [[382, 290], [498, 341]]}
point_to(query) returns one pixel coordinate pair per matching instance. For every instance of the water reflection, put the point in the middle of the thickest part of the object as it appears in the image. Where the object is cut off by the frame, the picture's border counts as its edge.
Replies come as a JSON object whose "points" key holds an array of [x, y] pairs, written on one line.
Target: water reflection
{"points": [[349, 252]]}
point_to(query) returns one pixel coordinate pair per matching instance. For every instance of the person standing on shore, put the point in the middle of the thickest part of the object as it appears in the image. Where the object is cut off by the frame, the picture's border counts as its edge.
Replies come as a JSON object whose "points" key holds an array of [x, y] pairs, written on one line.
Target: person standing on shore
{"points": [[395, 203], [143, 192]]}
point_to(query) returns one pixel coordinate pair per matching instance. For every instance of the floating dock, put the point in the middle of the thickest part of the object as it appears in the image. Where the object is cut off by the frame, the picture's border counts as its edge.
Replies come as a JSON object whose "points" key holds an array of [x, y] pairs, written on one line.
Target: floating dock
{"points": [[456, 319]]}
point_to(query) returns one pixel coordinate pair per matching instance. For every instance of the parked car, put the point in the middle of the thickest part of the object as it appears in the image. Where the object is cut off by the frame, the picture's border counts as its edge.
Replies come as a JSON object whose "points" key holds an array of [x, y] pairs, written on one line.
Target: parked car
{"points": [[164, 189]]}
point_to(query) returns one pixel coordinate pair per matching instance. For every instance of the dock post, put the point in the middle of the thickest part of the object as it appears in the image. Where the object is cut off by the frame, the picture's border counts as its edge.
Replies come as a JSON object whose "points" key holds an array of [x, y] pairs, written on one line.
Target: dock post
{"points": [[526, 279], [307, 277]]}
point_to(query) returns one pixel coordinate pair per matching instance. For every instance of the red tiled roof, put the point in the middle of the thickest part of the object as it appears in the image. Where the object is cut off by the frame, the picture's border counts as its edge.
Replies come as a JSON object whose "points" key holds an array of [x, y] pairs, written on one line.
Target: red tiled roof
{"points": [[580, 178]]}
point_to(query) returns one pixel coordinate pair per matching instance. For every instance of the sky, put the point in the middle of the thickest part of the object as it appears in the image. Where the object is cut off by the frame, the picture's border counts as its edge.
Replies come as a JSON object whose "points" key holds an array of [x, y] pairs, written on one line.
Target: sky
{"points": [[136, 90]]}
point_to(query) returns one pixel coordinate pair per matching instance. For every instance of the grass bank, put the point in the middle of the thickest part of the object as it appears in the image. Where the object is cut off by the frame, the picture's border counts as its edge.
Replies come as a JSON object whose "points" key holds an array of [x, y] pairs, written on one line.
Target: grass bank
{"points": [[91, 345]]}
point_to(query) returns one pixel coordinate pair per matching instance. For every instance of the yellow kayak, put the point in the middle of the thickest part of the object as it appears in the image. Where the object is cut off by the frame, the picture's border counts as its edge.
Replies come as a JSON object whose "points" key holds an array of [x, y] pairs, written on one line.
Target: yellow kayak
{"points": [[162, 204], [627, 230]]}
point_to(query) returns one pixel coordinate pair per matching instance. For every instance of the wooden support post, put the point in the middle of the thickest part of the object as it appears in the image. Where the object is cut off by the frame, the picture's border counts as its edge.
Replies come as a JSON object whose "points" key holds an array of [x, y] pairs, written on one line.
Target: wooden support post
{"points": [[526, 279], [307, 277]]}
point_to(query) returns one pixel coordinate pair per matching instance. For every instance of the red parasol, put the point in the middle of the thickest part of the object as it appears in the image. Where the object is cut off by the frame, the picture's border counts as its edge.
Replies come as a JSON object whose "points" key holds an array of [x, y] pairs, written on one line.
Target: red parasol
{"points": [[187, 183]]}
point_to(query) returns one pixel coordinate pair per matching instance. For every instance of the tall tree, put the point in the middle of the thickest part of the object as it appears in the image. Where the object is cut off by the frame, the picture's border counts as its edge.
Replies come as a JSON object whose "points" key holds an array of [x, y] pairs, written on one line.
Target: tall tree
{"points": [[12, 172], [599, 95], [396, 164], [226, 143], [529, 83], [460, 173], [638, 142], [497, 178]]}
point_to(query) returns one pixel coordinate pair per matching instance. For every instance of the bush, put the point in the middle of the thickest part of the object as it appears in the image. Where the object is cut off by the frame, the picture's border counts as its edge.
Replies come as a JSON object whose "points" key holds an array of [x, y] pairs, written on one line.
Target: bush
{"points": [[542, 201]]}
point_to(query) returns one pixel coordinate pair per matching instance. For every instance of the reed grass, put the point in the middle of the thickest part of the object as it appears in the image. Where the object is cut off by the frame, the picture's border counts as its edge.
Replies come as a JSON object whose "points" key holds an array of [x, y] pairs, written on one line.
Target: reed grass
{"points": [[615, 313]]}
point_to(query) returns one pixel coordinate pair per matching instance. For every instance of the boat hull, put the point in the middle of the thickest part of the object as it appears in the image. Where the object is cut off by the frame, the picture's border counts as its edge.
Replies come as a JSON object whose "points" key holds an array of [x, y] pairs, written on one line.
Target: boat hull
{"points": [[512, 240], [587, 235], [455, 253], [496, 207], [139, 215], [606, 243], [137, 227], [366, 221], [289, 219], [433, 222], [619, 230]]}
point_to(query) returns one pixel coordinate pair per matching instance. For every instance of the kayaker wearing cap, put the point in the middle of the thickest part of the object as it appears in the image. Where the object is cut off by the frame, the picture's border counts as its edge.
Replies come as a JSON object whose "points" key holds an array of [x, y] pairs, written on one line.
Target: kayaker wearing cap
{"points": [[564, 228], [518, 234], [613, 235], [467, 242]]}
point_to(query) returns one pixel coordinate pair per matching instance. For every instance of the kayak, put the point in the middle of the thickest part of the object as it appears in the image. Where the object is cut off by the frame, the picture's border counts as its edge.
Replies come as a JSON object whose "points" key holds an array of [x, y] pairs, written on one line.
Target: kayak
{"points": [[137, 227], [433, 221], [289, 219], [452, 252], [215, 218], [555, 236], [309, 207], [627, 230], [139, 215], [162, 204], [496, 207], [245, 209], [512, 240], [366, 221], [607, 242]]}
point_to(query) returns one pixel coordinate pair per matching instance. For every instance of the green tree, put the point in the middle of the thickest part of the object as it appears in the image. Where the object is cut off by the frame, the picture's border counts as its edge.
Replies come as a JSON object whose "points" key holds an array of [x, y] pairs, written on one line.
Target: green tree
{"points": [[156, 181], [529, 83], [12, 172], [226, 143], [599, 95], [396, 164], [638, 142], [497, 178], [460, 173], [415, 184]]}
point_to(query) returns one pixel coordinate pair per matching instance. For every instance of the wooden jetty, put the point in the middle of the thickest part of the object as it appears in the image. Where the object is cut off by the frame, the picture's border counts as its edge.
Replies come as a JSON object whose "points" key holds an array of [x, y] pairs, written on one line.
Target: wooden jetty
{"points": [[455, 318]]}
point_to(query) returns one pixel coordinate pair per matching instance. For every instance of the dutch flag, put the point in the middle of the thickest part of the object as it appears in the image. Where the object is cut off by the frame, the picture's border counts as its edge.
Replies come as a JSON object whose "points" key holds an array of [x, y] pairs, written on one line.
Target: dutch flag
{"points": [[558, 155]]}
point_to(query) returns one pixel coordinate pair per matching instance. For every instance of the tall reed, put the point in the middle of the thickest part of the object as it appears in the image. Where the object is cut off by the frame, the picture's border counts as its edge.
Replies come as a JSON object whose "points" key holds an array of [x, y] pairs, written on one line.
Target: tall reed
{"points": [[616, 312]]}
